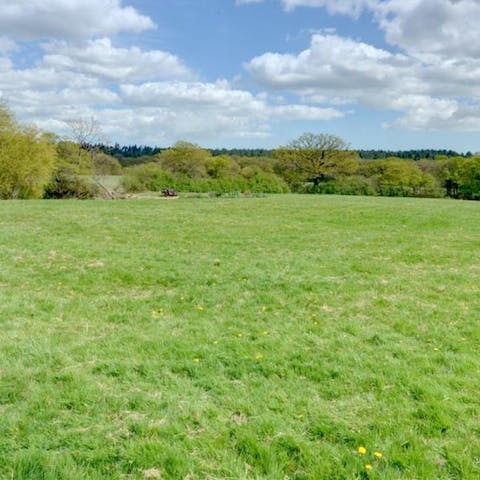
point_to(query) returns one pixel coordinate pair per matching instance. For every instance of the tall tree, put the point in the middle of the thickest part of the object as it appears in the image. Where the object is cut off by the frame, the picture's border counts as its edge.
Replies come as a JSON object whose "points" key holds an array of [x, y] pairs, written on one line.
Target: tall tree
{"points": [[27, 159], [315, 158]]}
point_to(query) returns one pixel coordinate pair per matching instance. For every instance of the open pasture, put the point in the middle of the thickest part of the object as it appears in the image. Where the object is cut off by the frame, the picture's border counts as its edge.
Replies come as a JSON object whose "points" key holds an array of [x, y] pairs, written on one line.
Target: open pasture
{"points": [[287, 337]]}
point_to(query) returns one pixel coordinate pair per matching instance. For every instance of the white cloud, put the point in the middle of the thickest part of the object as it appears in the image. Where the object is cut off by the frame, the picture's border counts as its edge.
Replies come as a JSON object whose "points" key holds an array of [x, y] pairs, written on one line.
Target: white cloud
{"points": [[334, 64], [191, 110], [421, 27], [345, 7], [139, 96], [101, 60], [338, 70], [33, 19], [424, 28], [6, 45]]}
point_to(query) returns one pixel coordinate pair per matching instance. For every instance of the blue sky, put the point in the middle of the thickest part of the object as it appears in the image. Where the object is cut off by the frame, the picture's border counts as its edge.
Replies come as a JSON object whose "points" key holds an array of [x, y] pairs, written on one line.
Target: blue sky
{"points": [[391, 74]]}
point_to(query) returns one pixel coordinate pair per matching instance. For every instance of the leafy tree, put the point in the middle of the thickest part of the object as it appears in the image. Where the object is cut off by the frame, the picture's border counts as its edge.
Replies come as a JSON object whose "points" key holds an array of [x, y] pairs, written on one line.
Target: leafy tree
{"points": [[27, 159], [106, 164], [72, 159], [398, 177], [316, 158], [147, 177], [185, 158], [222, 166], [462, 178], [73, 169]]}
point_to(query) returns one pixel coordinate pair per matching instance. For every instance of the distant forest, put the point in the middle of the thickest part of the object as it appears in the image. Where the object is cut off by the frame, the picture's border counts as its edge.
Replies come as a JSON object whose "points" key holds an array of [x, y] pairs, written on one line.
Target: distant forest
{"points": [[137, 154]]}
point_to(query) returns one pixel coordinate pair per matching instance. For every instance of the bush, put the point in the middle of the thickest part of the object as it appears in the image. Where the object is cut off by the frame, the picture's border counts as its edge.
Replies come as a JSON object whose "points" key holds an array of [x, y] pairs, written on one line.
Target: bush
{"points": [[263, 182], [147, 177], [65, 185], [356, 185], [27, 159], [151, 177]]}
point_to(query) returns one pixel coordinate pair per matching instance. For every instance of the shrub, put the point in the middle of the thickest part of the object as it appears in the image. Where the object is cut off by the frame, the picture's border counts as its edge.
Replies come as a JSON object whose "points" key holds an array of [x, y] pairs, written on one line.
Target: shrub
{"points": [[147, 177], [151, 177], [65, 185], [355, 185], [26, 159]]}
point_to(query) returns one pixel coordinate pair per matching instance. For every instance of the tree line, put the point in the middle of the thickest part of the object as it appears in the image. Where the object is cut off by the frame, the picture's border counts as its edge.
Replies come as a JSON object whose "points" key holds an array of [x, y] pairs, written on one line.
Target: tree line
{"points": [[34, 164], [136, 154]]}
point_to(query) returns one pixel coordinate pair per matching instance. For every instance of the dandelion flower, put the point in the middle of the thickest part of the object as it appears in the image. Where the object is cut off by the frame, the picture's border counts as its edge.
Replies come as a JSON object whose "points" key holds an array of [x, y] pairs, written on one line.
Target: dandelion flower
{"points": [[378, 455], [362, 450], [368, 467]]}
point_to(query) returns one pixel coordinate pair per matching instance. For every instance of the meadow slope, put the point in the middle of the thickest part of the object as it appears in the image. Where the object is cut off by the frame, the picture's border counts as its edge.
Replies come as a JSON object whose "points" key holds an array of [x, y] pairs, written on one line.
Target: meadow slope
{"points": [[263, 338]]}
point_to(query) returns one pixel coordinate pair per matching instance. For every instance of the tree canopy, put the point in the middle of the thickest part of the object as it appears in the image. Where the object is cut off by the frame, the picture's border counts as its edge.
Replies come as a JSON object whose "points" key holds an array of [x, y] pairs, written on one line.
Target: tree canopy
{"points": [[27, 159], [316, 157]]}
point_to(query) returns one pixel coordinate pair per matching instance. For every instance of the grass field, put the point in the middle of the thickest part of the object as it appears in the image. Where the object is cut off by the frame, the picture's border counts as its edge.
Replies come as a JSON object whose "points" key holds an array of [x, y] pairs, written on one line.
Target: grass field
{"points": [[288, 337]]}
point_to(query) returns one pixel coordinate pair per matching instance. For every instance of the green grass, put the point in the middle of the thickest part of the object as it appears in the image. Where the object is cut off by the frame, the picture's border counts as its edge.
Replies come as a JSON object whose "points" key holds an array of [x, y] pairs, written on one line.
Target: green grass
{"points": [[263, 338]]}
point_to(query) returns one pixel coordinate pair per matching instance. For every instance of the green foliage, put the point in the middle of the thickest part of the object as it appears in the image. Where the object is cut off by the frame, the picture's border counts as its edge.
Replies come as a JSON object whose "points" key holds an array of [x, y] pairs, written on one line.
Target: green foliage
{"points": [[26, 159], [316, 158], [349, 185], [64, 185], [222, 166], [397, 177], [72, 175], [223, 344], [105, 164], [152, 177], [72, 159], [185, 158], [267, 183], [462, 177], [147, 177]]}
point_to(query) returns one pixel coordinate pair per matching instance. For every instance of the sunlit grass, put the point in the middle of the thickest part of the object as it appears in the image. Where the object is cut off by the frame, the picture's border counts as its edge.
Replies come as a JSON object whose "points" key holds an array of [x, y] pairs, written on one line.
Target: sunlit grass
{"points": [[266, 338]]}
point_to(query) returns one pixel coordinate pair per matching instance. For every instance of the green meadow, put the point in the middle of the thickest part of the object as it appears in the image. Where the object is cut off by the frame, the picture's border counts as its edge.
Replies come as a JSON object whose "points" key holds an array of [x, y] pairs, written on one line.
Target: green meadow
{"points": [[285, 337]]}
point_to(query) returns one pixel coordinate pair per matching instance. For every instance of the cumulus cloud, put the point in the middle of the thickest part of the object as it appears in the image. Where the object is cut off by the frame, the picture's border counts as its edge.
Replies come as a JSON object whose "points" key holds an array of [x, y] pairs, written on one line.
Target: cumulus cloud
{"points": [[34, 19], [342, 70], [100, 58], [421, 27], [139, 96], [427, 28], [181, 109], [337, 65]]}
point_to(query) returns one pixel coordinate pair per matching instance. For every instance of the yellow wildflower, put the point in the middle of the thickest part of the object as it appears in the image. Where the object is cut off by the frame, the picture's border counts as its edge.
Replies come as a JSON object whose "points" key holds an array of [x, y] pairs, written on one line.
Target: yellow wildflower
{"points": [[199, 308], [259, 356], [378, 455], [362, 450], [196, 360], [368, 467]]}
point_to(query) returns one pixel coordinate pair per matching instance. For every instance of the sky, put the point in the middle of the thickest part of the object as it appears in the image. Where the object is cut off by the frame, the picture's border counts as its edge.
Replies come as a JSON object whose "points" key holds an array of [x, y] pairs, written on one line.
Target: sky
{"points": [[381, 74]]}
